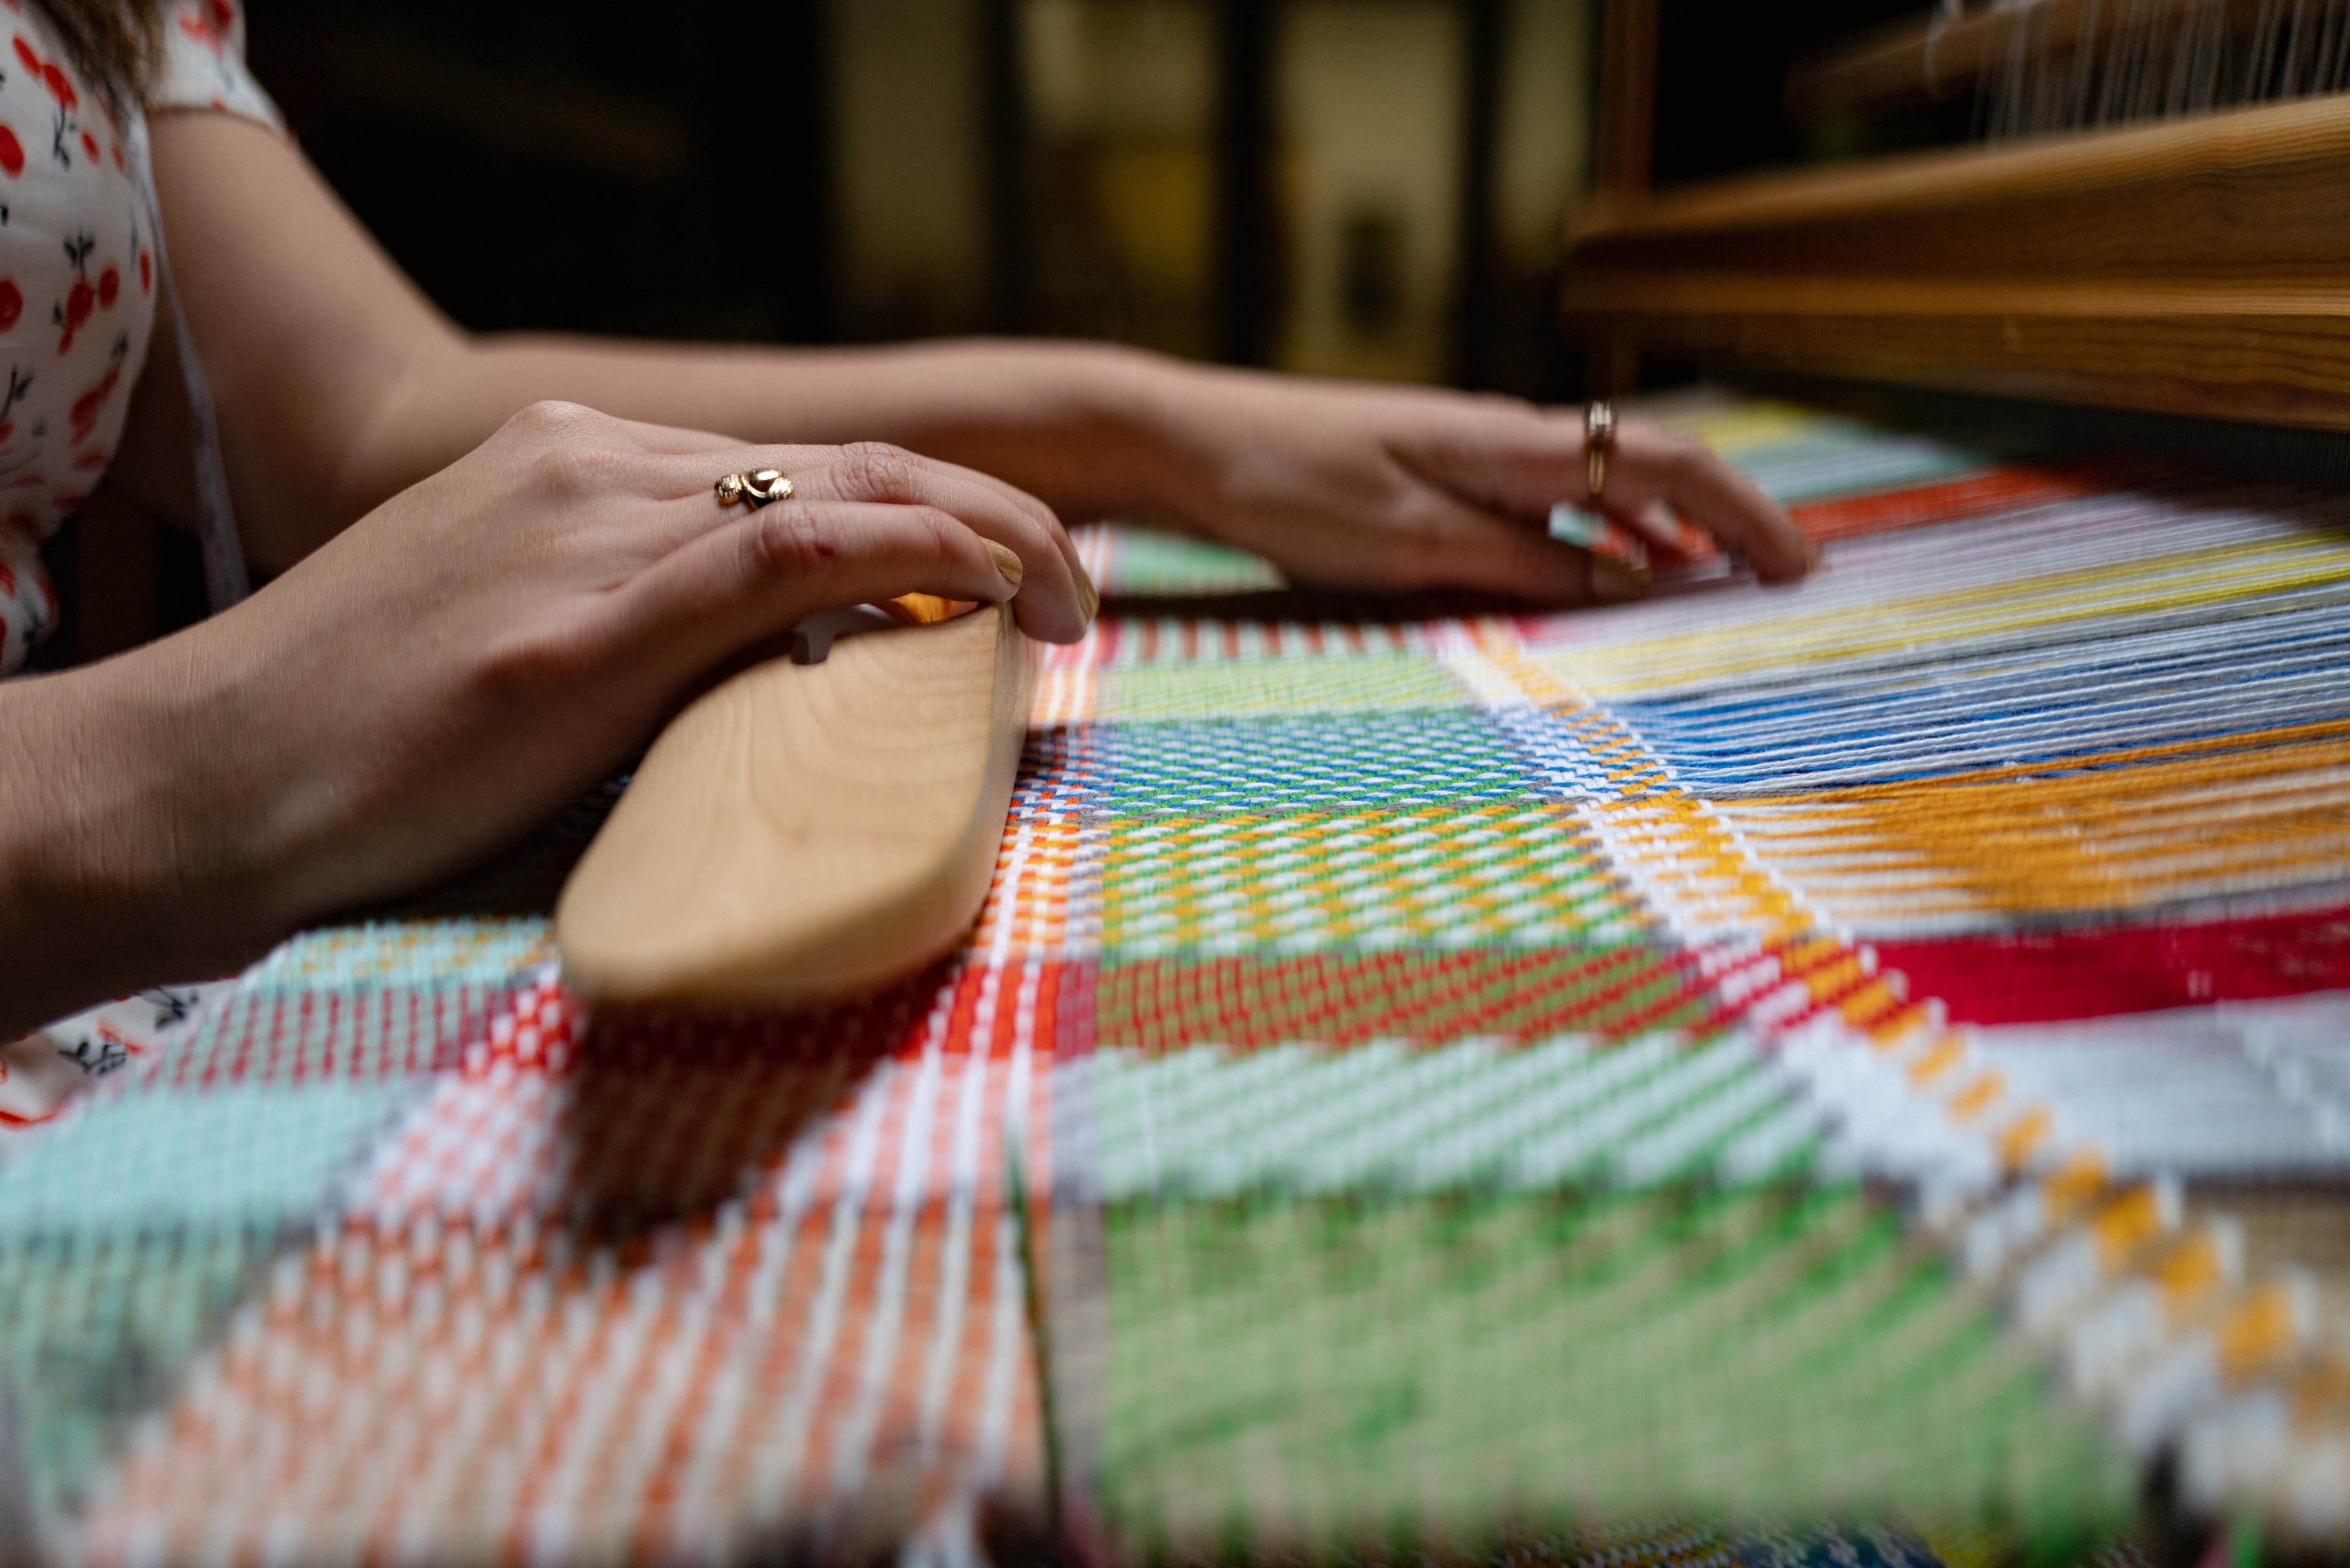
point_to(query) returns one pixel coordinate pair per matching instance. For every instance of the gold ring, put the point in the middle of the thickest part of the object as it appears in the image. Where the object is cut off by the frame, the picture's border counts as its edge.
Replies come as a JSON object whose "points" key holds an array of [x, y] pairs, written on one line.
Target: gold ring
{"points": [[1599, 440], [758, 486]]}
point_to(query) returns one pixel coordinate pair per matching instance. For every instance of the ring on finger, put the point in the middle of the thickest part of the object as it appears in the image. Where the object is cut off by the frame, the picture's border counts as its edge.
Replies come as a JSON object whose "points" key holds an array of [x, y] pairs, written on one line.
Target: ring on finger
{"points": [[757, 486], [1599, 440]]}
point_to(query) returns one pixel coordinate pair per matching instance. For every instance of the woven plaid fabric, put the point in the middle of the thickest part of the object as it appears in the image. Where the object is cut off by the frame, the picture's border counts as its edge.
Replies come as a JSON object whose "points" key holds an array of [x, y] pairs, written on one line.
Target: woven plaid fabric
{"points": [[1705, 1080]]}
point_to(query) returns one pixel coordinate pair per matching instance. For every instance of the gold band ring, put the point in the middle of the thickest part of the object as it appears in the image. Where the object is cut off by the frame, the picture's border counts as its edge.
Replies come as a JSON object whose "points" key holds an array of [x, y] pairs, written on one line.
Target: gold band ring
{"points": [[758, 486], [1599, 440]]}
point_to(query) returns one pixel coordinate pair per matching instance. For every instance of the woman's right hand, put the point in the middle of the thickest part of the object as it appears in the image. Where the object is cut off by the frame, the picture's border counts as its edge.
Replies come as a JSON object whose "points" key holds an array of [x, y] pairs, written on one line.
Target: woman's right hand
{"points": [[449, 670]]}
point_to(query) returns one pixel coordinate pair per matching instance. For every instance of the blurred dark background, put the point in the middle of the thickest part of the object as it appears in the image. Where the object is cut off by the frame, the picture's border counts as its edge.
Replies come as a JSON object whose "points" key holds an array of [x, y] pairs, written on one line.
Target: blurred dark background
{"points": [[1351, 187]]}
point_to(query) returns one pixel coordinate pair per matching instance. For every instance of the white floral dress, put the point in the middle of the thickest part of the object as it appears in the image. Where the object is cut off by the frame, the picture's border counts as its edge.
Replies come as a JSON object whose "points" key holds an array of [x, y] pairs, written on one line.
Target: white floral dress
{"points": [[80, 269]]}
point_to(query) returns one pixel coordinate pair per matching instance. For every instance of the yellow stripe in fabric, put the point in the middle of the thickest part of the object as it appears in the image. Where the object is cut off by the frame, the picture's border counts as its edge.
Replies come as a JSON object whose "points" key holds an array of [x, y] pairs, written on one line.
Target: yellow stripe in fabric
{"points": [[2267, 813], [1748, 426], [2196, 578], [2258, 746]]}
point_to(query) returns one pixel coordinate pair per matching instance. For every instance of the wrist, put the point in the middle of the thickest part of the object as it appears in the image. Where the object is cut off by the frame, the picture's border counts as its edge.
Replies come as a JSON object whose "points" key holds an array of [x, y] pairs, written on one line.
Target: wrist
{"points": [[1176, 409], [1133, 415], [1157, 403], [118, 871]]}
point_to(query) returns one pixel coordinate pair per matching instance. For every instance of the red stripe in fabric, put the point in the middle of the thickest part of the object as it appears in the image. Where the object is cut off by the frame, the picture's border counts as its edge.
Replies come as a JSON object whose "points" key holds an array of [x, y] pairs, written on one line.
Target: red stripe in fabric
{"points": [[1999, 490], [2047, 978]]}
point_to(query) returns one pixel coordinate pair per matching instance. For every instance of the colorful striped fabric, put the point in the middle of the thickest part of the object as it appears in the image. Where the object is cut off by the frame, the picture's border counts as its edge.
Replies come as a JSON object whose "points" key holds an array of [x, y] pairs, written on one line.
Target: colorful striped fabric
{"points": [[1738, 1079]]}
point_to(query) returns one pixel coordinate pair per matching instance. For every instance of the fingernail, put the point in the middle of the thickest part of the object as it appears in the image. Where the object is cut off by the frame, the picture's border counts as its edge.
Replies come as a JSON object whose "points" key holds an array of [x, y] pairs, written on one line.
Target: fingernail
{"points": [[1088, 594], [1612, 581], [1007, 563]]}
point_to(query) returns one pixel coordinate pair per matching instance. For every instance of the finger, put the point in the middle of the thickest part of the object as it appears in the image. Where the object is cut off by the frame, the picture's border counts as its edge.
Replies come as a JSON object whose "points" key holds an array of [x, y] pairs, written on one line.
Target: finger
{"points": [[804, 460], [1514, 459], [1469, 547], [766, 571], [1046, 517], [1656, 523], [978, 498], [1652, 465], [1051, 604], [673, 440]]}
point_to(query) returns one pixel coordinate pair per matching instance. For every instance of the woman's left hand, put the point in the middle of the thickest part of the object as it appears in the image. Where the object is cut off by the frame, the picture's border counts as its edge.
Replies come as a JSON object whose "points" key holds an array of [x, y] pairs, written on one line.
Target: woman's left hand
{"points": [[1395, 488]]}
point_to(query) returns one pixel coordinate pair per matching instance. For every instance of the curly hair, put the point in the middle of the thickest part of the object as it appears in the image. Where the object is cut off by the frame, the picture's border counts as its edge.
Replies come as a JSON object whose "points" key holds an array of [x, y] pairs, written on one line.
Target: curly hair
{"points": [[115, 44]]}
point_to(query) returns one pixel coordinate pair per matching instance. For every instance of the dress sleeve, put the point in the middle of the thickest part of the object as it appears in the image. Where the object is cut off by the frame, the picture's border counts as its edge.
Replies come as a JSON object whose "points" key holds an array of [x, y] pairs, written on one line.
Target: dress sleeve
{"points": [[203, 63]]}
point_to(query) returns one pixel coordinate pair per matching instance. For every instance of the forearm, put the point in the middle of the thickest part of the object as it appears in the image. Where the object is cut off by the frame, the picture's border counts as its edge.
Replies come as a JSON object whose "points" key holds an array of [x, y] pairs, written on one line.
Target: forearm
{"points": [[107, 883], [1078, 425]]}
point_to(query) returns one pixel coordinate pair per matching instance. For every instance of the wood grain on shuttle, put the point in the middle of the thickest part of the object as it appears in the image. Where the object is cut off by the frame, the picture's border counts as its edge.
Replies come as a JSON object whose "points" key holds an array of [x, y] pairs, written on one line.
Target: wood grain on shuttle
{"points": [[805, 833]]}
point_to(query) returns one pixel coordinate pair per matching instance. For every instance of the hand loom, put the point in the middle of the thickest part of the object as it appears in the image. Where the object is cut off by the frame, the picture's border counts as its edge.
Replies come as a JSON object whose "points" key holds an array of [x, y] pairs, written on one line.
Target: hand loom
{"points": [[1853, 1074], [807, 831]]}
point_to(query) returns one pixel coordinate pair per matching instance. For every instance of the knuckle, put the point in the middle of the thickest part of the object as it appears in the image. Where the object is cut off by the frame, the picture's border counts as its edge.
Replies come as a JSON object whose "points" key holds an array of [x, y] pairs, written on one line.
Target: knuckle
{"points": [[922, 535], [576, 467], [551, 418], [942, 532], [875, 470], [790, 543]]}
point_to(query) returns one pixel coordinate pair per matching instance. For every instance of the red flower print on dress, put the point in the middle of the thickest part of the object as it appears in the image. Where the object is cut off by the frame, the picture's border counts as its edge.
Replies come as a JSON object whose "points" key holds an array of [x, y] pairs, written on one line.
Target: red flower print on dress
{"points": [[80, 300], [59, 437], [60, 86], [208, 25], [19, 384], [86, 407]]}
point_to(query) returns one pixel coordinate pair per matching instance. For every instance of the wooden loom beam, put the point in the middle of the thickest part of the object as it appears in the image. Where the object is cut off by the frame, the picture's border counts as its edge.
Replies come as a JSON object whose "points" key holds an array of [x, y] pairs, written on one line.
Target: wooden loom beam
{"points": [[2196, 267]]}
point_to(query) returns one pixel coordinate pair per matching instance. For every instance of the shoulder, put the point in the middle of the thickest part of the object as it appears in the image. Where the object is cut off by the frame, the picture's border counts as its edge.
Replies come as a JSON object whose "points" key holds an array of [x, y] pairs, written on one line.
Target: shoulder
{"points": [[203, 63]]}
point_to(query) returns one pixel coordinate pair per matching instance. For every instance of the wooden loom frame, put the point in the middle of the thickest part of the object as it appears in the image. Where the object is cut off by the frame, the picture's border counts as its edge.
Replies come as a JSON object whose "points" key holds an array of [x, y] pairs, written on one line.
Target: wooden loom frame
{"points": [[2197, 267]]}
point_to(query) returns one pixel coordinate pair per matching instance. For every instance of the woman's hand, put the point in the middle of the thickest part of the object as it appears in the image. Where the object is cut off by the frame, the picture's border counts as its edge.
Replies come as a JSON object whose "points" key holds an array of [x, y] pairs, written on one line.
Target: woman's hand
{"points": [[447, 672], [1383, 487]]}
